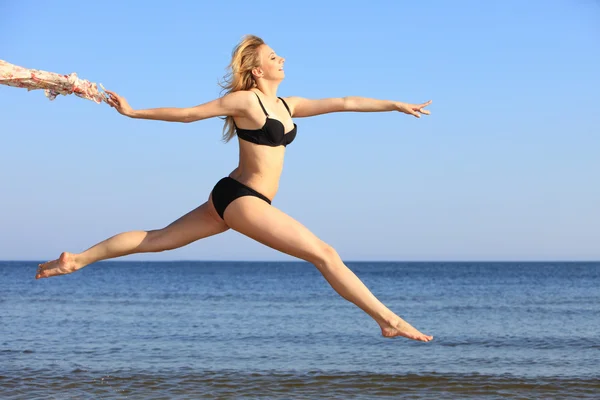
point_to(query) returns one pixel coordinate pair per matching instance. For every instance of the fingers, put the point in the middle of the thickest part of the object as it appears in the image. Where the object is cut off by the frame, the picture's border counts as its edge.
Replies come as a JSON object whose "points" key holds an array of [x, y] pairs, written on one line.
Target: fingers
{"points": [[420, 107], [112, 97], [108, 95], [113, 101]]}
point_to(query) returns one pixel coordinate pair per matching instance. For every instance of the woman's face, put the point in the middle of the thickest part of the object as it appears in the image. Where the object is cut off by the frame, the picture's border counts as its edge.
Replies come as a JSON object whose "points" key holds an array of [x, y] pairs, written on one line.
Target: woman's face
{"points": [[271, 65]]}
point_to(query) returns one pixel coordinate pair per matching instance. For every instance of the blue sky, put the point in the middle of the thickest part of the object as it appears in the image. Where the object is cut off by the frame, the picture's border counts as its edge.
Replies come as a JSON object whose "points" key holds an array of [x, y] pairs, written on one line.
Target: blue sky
{"points": [[507, 167]]}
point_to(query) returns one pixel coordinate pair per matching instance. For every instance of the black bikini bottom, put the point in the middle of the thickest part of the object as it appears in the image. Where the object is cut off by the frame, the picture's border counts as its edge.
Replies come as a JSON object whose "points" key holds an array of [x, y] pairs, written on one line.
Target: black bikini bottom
{"points": [[227, 190]]}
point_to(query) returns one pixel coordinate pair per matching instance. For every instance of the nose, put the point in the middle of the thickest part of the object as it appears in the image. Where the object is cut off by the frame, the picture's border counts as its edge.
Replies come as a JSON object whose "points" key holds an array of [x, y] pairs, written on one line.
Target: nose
{"points": [[282, 60]]}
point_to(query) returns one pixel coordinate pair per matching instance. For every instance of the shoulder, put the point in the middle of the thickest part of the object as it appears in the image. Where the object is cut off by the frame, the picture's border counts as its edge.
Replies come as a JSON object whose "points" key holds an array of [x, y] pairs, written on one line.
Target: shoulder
{"points": [[243, 96], [240, 101]]}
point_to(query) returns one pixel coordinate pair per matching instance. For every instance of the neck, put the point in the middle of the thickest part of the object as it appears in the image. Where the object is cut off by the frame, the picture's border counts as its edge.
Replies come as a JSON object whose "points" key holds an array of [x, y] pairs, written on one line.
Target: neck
{"points": [[268, 88]]}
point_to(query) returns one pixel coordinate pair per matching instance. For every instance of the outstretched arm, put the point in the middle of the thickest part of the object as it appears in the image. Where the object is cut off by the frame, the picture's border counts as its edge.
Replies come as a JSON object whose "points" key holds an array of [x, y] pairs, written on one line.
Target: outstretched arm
{"points": [[302, 107], [233, 104]]}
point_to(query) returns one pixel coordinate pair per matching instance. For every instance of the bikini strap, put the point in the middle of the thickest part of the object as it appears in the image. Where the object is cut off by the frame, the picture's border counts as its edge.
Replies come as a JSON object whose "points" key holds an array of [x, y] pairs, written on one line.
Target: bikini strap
{"points": [[286, 106], [261, 104]]}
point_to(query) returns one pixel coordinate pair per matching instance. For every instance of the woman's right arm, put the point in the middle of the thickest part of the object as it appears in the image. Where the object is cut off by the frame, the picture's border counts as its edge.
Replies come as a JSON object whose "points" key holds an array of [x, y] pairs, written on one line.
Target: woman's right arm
{"points": [[232, 104]]}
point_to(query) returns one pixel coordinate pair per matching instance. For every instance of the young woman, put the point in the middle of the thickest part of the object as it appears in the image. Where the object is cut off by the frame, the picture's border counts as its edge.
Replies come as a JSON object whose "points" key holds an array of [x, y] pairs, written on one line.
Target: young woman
{"points": [[241, 201]]}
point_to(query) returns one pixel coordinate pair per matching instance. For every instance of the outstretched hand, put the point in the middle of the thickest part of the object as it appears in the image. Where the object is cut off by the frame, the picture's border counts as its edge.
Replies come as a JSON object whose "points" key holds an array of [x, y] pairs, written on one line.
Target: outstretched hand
{"points": [[414, 109], [119, 103]]}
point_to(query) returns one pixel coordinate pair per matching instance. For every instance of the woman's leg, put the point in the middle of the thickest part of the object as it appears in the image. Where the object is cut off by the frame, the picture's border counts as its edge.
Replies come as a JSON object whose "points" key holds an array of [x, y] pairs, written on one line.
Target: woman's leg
{"points": [[197, 224], [264, 223]]}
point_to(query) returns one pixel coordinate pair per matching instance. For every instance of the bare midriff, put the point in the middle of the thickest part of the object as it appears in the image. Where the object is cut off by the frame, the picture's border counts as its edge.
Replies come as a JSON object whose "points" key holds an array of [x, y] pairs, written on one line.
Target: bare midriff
{"points": [[259, 167]]}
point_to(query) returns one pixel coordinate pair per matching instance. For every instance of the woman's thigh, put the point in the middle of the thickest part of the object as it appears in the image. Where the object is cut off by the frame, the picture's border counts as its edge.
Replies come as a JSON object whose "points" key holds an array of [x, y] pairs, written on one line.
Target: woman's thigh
{"points": [[266, 224], [199, 223]]}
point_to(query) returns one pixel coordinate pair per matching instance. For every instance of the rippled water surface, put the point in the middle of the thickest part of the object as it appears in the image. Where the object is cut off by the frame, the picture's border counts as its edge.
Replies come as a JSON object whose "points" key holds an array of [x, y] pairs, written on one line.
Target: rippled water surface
{"points": [[177, 330]]}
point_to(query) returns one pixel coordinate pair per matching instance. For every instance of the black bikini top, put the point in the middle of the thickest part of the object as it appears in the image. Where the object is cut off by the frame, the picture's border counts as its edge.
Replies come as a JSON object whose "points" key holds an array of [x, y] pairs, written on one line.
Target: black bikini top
{"points": [[271, 134]]}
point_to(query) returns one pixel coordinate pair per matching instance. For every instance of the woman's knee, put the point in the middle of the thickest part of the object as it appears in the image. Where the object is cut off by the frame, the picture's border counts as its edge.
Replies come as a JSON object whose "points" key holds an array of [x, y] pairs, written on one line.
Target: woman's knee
{"points": [[326, 256]]}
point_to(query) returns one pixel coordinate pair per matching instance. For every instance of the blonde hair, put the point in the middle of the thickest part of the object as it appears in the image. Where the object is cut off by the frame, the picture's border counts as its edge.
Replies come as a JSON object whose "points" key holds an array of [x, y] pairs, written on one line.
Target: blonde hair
{"points": [[244, 58]]}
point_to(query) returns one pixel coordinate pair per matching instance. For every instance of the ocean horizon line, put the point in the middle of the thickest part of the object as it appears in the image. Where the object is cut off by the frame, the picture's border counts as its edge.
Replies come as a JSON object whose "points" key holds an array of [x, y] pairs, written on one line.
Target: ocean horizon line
{"points": [[565, 261]]}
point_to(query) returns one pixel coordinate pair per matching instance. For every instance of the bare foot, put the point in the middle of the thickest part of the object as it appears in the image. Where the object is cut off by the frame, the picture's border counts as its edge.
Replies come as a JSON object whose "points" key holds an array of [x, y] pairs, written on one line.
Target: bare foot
{"points": [[400, 327], [64, 265]]}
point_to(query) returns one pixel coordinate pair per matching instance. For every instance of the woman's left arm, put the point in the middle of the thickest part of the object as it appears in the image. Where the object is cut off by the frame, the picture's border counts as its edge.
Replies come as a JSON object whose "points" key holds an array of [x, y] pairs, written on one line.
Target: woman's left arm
{"points": [[301, 107]]}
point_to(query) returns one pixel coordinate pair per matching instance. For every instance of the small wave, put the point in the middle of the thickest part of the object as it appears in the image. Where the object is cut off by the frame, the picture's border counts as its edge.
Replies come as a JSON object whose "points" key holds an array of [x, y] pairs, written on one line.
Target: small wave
{"points": [[13, 351], [274, 384], [554, 343], [79, 371]]}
